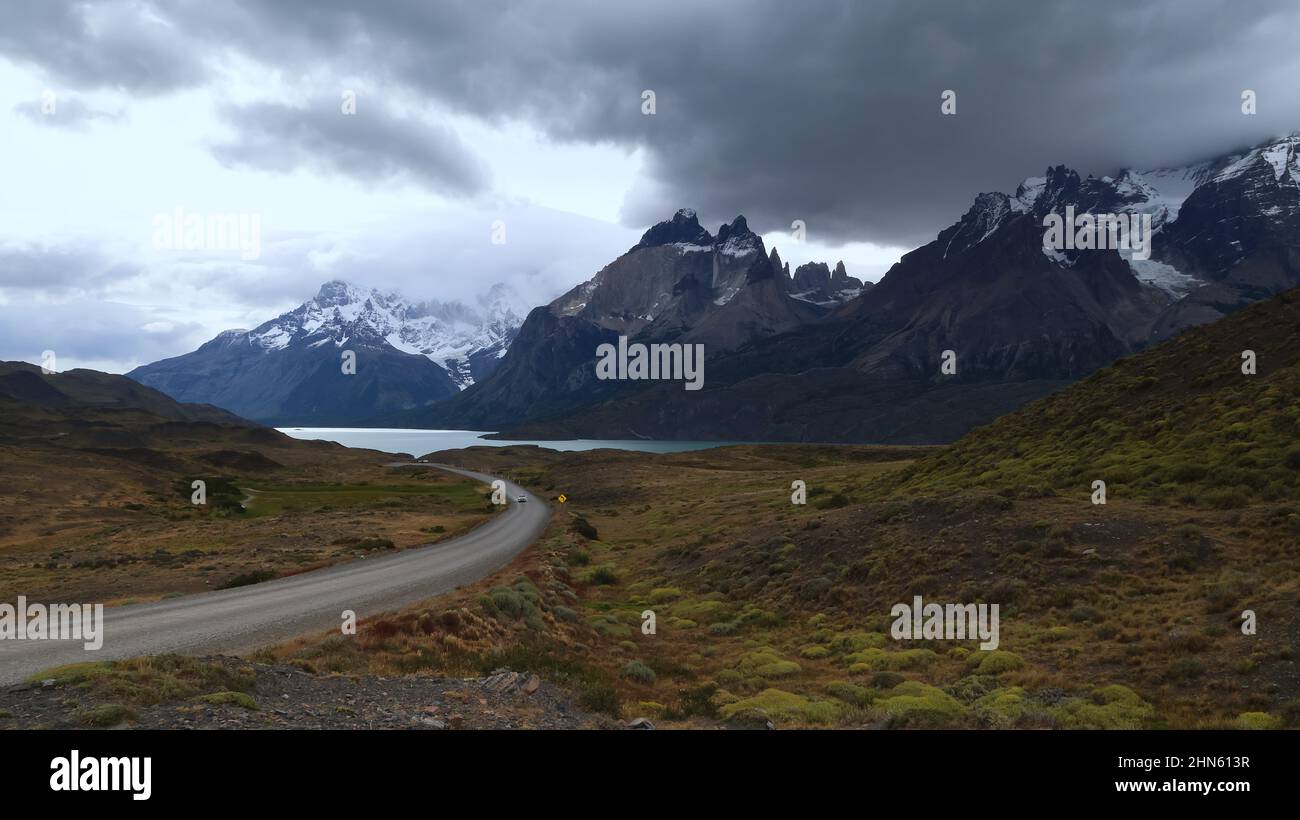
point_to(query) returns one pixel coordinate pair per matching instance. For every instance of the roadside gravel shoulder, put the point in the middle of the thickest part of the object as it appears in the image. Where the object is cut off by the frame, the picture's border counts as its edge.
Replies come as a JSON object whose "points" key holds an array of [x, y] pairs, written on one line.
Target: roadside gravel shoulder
{"points": [[284, 697]]}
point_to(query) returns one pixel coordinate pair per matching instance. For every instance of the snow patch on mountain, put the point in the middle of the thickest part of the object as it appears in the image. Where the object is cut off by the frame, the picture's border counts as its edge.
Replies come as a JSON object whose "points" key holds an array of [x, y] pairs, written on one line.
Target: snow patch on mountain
{"points": [[1027, 194], [1166, 189], [1163, 276], [691, 247], [739, 246], [1279, 154]]}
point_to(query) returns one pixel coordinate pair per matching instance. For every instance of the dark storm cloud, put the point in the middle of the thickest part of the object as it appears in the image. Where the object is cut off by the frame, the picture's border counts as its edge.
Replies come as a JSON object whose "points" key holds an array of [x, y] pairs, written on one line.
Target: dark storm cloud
{"points": [[371, 145], [822, 111], [125, 45]]}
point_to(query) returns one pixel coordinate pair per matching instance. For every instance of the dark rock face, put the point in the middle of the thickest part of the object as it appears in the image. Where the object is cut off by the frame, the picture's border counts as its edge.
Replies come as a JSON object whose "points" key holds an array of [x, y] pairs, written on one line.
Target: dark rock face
{"points": [[782, 268], [841, 281], [679, 284], [812, 277], [1006, 310], [814, 282], [684, 228], [1239, 233]]}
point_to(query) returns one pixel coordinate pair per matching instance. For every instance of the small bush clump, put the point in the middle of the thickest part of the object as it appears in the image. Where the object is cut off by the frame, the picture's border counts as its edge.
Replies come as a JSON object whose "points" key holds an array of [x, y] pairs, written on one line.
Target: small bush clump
{"points": [[638, 672]]}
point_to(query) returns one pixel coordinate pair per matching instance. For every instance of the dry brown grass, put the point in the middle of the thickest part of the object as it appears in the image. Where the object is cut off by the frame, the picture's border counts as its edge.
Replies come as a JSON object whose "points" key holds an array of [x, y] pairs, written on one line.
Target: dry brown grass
{"points": [[77, 525], [746, 585]]}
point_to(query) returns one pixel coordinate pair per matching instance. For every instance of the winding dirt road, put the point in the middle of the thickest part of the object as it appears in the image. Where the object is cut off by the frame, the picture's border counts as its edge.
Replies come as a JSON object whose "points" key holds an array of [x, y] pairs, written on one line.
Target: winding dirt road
{"points": [[242, 619]]}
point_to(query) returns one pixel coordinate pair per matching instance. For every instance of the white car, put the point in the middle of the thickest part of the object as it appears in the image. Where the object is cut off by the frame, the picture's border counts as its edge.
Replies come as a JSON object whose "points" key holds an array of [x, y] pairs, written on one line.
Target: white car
{"points": [[521, 498]]}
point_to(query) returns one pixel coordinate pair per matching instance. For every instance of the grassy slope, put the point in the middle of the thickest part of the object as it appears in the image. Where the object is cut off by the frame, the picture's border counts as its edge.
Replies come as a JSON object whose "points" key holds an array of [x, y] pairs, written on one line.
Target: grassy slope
{"points": [[1180, 422]]}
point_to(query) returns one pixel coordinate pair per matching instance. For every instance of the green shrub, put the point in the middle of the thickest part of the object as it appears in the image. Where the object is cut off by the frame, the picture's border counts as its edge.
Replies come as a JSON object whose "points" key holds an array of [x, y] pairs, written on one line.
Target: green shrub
{"points": [[778, 669], [1007, 708], [1083, 612], [917, 705], [856, 641], [240, 699], [878, 659], [997, 661], [701, 610], [663, 595], [106, 714], [1258, 720], [601, 576], [754, 616], [885, 680], [638, 672], [697, 700], [765, 663], [509, 602], [850, 693], [564, 613], [780, 706], [1111, 707], [609, 626]]}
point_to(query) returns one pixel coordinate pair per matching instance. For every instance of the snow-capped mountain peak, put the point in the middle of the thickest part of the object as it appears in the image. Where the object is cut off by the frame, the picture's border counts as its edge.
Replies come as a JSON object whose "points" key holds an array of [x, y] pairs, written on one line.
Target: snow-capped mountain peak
{"points": [[1282, 156], [1207, 216], [464, 340]]}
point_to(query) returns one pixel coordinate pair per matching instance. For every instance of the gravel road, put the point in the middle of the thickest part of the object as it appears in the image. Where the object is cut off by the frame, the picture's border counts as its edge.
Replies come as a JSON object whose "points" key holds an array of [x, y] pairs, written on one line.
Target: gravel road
{"points": [[243, 619]]}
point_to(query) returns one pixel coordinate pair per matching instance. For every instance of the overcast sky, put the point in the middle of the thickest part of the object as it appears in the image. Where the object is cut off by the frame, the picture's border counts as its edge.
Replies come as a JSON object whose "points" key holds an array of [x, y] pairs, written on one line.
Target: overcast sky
{"points": [[530, 115]]}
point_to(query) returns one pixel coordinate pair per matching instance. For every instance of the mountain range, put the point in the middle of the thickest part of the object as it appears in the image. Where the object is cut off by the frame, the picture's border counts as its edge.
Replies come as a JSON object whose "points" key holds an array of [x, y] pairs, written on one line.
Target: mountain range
{"points": [[288, 370], [1022, 320], [813, 355]]}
